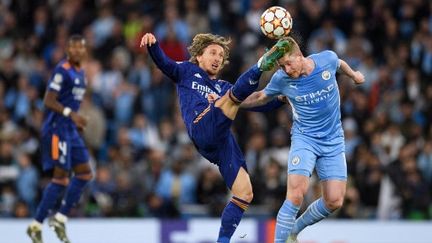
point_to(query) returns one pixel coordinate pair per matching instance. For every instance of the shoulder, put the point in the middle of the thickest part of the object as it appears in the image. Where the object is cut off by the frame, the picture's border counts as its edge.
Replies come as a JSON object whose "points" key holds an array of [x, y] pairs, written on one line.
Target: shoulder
{"points": [[62, 67], [188, 67], [60, 72], [325, 57], [279, 75], [223, 82], [328, 54], [186, 64]]}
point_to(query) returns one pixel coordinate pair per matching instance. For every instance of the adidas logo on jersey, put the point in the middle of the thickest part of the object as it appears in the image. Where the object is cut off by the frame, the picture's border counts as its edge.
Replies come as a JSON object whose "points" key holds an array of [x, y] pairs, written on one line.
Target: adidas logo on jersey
{"points": [[197, 75], [252, 82]]}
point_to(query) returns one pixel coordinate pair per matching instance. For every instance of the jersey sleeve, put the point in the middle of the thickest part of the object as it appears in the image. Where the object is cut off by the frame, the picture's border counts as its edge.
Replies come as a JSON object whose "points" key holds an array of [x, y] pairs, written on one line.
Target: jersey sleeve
{"points": [[226, 86], [174, 70], [274, 88], [58, 80], [333, 59]]}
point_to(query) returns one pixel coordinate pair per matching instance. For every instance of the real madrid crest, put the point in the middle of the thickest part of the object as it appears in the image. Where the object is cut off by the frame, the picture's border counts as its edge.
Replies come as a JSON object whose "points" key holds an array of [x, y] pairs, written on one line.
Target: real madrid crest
{"points": [[326, 75], [295, 160], [218, 88]]}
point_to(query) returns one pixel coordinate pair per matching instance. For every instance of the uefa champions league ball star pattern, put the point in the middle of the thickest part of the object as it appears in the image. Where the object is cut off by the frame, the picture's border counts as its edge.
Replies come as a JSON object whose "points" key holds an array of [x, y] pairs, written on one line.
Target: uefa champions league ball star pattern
{"points": [[276, 22]]}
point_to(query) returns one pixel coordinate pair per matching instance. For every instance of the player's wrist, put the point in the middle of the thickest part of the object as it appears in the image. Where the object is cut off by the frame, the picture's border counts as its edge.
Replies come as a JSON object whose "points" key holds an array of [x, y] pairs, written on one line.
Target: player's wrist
{"points": [[67, 111]]}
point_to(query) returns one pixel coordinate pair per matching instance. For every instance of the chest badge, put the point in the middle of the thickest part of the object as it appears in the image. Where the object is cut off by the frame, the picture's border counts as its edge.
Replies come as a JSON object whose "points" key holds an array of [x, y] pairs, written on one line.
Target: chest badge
{"points": [[77, 81], [326, 75], [218, 88]]}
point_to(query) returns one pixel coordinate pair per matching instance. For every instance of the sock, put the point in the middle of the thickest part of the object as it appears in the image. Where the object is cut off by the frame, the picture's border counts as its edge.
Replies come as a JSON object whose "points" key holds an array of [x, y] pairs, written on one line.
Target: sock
{"points": [[247, 83], [231, 217], [314, 213], [285, 221], [73, 195], [49, 199]]}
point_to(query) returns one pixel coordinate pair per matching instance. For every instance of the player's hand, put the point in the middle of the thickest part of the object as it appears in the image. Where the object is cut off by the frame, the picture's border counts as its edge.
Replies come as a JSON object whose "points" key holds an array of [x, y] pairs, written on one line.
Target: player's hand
{"points": [[283, 98], [148, 39], [212, 98], [358, 77], [79, 120]]}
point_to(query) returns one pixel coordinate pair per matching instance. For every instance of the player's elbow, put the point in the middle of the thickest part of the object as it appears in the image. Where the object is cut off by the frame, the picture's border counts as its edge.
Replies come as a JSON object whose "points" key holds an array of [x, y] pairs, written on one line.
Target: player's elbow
{"points": [[48, 102], [262, 98]]}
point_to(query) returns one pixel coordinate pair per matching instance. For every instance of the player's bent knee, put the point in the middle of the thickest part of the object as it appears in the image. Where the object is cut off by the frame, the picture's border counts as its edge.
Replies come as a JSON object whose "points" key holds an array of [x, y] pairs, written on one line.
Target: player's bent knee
{"points": [[245, 194], [85, 176], [248, 196], [334, 204]]}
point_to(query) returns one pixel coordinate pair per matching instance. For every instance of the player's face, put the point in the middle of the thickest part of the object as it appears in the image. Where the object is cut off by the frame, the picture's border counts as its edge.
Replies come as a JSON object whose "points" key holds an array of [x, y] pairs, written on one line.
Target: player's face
{"points": [[212, 60], [76, 50], [291, 64]]}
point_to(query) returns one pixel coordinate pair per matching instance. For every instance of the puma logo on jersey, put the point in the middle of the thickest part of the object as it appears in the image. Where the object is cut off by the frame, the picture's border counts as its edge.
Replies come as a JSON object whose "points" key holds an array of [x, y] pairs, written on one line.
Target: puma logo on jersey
{"points": [[293, 86]]}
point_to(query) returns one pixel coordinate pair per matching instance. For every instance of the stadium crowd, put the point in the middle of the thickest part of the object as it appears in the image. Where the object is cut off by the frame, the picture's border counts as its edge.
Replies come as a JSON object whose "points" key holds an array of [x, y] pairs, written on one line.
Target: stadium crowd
{"points": [[144, 163]]}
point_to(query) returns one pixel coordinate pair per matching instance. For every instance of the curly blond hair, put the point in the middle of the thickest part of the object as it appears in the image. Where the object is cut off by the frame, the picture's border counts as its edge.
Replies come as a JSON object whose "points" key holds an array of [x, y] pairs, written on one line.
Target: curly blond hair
{"points": [[202, 41]]}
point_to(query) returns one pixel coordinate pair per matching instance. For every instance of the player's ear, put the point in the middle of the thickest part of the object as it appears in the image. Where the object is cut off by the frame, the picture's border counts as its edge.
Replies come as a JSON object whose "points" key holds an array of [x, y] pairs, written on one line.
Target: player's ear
{"points": [[199, 58]]}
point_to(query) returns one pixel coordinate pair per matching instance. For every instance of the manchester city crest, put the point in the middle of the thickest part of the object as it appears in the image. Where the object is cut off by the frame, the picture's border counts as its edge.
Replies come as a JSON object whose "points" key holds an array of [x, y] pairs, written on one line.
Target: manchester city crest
{"points": [[326, 75], [295, 160]]}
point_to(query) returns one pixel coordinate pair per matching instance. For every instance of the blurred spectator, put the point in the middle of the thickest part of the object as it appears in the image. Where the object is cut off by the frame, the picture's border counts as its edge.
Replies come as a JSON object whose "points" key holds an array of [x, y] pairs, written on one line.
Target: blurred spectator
{"points": [[27, 182], [269, 188], [211, 190], [172, 23], [101, 193], [176, 184], [424, 162], [95, 131]]}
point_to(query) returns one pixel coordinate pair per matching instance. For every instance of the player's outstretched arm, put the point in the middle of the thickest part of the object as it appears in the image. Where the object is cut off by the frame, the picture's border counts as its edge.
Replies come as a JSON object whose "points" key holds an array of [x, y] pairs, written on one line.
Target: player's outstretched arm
{"points": [[260, 102], [356, 76], [258, 98], [164, 63]]}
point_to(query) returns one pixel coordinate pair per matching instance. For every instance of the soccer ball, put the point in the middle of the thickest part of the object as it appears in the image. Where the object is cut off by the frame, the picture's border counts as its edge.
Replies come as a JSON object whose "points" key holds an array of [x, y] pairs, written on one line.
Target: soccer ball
{"points": [[276, 22]]}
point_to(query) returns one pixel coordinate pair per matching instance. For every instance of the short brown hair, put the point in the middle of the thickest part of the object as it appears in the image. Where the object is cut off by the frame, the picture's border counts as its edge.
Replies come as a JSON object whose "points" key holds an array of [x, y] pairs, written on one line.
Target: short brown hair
{"points": [[293, 45], [202, 41]]}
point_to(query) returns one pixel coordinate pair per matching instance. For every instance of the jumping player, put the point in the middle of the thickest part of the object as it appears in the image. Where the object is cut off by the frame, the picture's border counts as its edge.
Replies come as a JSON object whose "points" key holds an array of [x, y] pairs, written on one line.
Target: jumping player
{"points": [[310, 85], [209, 105], [63, 148]]}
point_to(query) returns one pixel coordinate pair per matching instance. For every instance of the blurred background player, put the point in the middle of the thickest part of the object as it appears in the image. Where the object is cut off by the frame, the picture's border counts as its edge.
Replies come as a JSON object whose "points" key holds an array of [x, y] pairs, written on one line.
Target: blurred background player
{"points": [[310, 85], [209, 105], [63, 148]]}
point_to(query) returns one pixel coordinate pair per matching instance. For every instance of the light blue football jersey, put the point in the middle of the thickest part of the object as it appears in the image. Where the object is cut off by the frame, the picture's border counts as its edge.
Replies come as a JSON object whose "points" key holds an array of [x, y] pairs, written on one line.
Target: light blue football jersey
{"points": [[314, 99]]}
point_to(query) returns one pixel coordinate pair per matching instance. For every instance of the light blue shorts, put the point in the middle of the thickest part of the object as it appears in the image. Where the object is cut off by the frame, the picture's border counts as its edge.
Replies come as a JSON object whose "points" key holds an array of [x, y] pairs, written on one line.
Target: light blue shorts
{"points": [[327, 156]]}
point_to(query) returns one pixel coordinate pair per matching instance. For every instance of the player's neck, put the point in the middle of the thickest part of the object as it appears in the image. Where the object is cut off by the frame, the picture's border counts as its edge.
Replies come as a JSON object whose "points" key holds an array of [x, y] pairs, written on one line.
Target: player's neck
{"points": [[75, 65]]}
